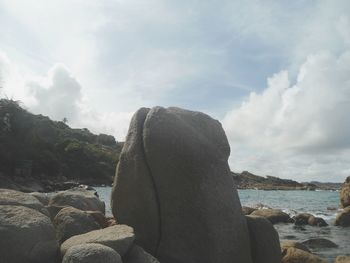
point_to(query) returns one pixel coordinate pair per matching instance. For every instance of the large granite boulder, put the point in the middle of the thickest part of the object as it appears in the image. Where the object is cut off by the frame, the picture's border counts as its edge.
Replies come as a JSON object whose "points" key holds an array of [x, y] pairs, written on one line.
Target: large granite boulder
{"points": [[91, 253], [345, 193], [264, 240], [343, 218], [118, 237], [79, 198], [137, 255], [26, 235], [273, 215], [173, 186], [71, 222], [12, 197]]}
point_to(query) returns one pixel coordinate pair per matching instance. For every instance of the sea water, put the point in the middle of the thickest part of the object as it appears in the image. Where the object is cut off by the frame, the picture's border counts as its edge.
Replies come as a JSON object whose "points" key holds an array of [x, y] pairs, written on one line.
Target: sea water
{"points": [[323, 204]]}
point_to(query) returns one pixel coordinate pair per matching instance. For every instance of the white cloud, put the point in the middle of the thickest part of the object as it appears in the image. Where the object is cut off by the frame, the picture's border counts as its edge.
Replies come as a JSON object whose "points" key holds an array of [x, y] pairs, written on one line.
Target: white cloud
{"points": [[123, 55], [58, 94], [297, 127]]}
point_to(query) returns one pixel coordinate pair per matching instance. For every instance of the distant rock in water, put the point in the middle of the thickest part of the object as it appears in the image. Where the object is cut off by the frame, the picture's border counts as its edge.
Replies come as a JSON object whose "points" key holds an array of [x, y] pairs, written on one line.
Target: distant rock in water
{"points": [[173, 186]]}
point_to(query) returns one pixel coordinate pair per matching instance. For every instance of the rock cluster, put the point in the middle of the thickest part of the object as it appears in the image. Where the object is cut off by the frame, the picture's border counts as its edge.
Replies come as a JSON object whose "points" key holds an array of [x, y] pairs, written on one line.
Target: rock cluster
{"points": [[58, 232], [173, 186]]}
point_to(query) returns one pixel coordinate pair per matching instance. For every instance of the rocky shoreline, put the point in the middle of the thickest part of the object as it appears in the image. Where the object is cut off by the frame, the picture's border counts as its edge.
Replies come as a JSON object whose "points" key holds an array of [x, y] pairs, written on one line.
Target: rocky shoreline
{"points": [[173, 201], [247, 180]]}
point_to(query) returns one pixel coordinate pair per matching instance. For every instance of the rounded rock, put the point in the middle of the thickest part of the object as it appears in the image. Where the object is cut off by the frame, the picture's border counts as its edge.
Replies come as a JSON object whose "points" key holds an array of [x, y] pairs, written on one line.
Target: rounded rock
{"points": [[79, 198], [343, 218], [118, 237], [273, 215], [91, 253], [294, 255], [345, 193], [342, 259], [264, 240], [26, 235], [71, 222], [12, 197]]}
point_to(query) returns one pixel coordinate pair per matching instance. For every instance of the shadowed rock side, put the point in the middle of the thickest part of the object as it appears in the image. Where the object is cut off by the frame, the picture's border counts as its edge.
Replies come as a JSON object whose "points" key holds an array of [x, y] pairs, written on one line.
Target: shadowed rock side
{"points": [[134, 200], [173, 186]]}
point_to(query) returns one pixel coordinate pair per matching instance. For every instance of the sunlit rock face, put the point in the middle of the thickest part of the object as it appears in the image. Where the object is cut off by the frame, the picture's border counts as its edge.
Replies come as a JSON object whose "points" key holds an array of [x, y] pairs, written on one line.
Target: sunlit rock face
{"points": [[173, 186]]}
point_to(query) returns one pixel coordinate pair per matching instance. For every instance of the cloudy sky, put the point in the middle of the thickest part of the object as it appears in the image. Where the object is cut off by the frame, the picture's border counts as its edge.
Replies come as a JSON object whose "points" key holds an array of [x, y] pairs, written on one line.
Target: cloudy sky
{"points": [[275, 73]]}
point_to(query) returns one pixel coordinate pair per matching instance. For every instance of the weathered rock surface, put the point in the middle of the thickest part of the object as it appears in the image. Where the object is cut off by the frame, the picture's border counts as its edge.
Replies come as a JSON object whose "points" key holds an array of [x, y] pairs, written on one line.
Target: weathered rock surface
{"points": [[295, 255], [309, 219], [345, 193], [99, 218], [247, 210], [342, 259], [273, 215], [137, 255], [118, 237], [12, 197], [264, 240], [79, 198], [42, 197], [173, 185], [317, 221], [91, 253], [343, 218], [26, 235], [319, 243], [291, 243], [71, 222]]}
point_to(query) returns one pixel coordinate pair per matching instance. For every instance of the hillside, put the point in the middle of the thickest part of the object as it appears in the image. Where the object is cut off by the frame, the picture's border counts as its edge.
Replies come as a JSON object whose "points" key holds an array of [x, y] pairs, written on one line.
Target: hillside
{"points": [[36, 152], [246, 180]]}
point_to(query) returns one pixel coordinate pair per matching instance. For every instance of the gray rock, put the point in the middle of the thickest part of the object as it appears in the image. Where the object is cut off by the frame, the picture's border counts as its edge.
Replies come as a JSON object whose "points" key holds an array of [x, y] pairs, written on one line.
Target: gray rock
{"points": [[319, 243], [317, 221], [342, 259], [118, 237], [26, 235], [91, 253], [295, 255], [79, 198], [134, 187], [309, 219], [345, 193], [290, 243], [264, 240], [173, 185], [42, 197], [343, 218], [273, 215], [138, 255], [71, 222], [302, 219], [247, 210], [12, 197]]}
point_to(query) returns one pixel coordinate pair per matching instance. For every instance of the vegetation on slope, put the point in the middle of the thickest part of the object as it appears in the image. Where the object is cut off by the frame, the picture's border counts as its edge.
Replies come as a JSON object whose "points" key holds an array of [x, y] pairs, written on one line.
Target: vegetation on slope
{"points": [[35, 146]]}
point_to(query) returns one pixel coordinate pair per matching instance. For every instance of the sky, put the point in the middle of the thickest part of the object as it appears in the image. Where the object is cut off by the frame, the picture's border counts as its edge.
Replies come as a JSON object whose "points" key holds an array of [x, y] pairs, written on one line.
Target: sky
{"points": [[276, 74]]}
